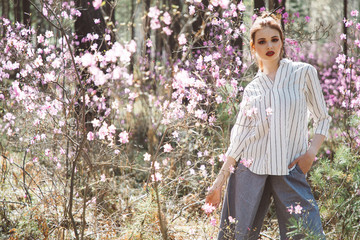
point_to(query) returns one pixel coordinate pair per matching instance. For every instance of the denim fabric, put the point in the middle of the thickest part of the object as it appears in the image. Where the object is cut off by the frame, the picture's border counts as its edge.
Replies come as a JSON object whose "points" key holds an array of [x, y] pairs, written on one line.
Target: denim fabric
{"points": [[248, 197]]}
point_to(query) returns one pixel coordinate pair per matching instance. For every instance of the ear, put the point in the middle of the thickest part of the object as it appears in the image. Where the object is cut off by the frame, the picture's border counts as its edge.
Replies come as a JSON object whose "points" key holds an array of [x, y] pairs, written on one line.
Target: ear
{"points": [[252, 46]]}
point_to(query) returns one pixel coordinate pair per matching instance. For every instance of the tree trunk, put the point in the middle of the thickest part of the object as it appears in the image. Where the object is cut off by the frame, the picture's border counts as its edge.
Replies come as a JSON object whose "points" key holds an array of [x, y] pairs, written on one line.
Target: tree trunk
{"points": [[345, 28], [26, 12], [17, 10], [199, 24], [83, 25], [5, 9], [132, 19], [258, 4], [147, 29], [176, 28], [274, 4]]}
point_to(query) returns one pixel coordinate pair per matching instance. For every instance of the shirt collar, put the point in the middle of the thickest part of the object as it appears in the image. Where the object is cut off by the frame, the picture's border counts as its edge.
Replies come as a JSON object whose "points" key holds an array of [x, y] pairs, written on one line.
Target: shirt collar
{"points": [[283, 61]]}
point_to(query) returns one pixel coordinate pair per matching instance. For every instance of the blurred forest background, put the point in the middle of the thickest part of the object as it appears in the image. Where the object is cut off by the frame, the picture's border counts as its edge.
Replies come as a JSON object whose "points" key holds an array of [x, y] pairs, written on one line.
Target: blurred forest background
{"points": [[115, 115]]}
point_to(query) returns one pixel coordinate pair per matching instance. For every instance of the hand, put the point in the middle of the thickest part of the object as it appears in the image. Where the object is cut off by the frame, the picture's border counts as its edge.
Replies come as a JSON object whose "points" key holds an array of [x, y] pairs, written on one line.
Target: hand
{"points": [[214, 197], [304, 161]]}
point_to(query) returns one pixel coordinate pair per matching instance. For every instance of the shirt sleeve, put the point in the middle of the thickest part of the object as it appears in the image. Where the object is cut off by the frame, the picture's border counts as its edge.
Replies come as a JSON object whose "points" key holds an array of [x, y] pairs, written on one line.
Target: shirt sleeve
{"points": [[241, 131], [316, 103]]}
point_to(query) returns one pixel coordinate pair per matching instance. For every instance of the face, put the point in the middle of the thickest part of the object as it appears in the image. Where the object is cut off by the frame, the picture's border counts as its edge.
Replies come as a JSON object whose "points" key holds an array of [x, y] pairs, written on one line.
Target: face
{"points": [[267, 44]]}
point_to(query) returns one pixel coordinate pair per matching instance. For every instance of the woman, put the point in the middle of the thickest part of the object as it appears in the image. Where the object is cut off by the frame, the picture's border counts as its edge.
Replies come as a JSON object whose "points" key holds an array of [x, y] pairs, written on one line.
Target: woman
{"points": [[270, 138]]}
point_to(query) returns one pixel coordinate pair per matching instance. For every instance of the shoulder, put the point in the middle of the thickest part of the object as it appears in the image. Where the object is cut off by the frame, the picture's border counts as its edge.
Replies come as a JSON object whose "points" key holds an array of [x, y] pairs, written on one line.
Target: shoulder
{"points": [[303, 66], [254, 84]]}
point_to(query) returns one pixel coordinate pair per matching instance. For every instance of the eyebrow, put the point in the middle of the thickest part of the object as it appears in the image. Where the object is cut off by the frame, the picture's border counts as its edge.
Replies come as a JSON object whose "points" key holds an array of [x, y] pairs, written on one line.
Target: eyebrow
{"points": [[271, 37]]}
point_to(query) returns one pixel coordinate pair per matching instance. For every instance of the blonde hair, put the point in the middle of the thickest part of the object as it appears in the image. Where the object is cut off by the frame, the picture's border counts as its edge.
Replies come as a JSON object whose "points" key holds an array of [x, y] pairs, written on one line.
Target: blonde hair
{"points": [[266, 20]]}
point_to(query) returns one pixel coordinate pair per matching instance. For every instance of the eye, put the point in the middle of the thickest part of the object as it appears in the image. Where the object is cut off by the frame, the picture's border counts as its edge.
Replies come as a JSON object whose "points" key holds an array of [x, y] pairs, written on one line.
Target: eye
{"points": [[275, 40], [261, 42]]}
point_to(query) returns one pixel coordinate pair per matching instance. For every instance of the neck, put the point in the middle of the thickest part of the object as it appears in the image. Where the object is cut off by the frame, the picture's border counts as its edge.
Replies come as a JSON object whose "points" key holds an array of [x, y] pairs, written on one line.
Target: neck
{"points": [[270, 67]]}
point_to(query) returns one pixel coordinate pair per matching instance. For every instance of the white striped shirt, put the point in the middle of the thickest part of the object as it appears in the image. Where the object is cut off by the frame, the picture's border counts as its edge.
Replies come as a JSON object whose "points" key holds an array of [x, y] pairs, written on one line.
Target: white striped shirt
{"points": [[273, 140]]}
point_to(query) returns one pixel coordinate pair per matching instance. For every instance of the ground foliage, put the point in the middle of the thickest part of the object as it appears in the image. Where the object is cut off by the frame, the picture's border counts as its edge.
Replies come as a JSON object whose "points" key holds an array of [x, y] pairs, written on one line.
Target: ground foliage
{"points": [[123, 144]]}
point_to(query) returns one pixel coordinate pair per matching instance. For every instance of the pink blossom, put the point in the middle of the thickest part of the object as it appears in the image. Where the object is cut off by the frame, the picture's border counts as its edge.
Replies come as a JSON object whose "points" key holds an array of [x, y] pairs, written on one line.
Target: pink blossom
{"points": [[212, 120], [242, 28], [349, 23], [97, 4], [297, 209], [147, 157], [175, 134], [222, 157], [357, 42], [58, 165], [241, 7], [95, 122], [49, 34], [90, 136], [253, 17], [213, 221], [88, 60], [103, 131], [290, 209], [224, 4], [154, 12], [124, 137], [251, 112], [231, 219], [354, 13], [167, 148], [149, 43], [208, 208], [112, 129], [97, 20], [297, 14], [307, 19], [157, 177], [220, 82], [269, 111], [167, 18], [155, 23], [47, 152], [165, 161], [343, 36], [40, 38], [103, 178], [191, 10], [182, 39], [246, 162], [131, 46], [167, 31]]}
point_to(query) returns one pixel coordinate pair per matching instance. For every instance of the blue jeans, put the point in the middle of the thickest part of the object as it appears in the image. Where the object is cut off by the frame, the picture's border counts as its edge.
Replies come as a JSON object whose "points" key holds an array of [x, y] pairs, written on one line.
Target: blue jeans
{"points": [[248, 197]]}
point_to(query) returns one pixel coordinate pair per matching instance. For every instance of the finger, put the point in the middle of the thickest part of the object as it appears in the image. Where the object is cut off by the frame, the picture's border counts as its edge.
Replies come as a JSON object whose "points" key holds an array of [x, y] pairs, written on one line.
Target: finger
{"points": [[293, 163]]}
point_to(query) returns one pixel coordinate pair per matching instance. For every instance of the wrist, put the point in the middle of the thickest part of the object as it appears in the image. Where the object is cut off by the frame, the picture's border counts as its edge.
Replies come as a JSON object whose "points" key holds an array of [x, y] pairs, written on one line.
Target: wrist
{"points": [[312, 151]]}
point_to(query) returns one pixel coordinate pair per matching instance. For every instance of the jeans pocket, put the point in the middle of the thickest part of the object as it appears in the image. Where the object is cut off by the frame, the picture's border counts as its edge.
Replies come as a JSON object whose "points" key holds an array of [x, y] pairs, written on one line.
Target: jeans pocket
{"points": [[297, 167]]}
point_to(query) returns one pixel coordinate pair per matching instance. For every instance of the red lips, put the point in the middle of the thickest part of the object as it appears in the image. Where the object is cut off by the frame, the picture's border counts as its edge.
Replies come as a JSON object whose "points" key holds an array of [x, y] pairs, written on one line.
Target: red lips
{"points": [[270, 53]]}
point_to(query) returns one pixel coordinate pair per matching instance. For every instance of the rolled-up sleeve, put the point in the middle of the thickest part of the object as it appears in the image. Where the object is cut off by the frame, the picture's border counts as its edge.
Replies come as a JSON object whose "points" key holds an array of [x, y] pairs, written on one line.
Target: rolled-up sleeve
{"points": [[316, 103], [240, 132]]}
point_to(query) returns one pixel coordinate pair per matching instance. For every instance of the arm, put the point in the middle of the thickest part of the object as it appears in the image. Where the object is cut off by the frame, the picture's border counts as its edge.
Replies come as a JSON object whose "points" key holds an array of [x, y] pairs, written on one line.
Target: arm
{"points": [[213, 197], [223, 174], [306, 160], [237, 138], [317, 106]]}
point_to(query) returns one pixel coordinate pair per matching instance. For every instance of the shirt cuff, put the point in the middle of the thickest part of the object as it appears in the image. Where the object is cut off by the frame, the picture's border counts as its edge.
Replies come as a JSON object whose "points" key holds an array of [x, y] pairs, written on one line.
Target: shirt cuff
{"points": [[323, 127], [234, 153]]}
